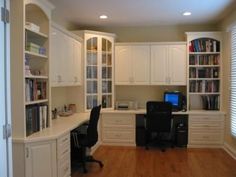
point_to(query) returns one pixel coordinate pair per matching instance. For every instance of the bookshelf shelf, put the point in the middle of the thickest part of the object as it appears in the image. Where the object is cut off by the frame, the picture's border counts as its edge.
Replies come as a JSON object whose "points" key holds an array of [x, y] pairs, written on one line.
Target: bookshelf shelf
{"points": [[36, 34], [36, 77], [35, 55], [36, 102], [204, 71]]}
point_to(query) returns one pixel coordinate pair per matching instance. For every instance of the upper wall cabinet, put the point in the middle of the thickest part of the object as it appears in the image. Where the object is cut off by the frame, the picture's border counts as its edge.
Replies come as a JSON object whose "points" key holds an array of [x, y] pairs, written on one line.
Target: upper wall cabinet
{"points": [[66, 55], [132, 64], [168, 64]]}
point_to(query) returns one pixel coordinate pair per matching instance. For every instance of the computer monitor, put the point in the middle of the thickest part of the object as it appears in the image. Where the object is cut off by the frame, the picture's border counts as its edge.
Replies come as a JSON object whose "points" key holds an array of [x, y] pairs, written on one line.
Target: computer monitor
{"points": [[175, 98]]}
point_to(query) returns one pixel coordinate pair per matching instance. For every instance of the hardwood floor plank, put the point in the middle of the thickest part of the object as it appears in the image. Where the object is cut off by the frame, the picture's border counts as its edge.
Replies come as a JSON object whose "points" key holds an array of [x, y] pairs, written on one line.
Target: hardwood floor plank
{"points": [[177, 162]]}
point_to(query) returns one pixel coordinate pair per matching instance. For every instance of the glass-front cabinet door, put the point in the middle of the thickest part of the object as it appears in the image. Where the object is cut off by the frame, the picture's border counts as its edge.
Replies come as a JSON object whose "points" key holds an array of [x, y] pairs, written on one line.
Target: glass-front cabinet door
{"points": [[92, 72], [106, 73], [99, 71]]}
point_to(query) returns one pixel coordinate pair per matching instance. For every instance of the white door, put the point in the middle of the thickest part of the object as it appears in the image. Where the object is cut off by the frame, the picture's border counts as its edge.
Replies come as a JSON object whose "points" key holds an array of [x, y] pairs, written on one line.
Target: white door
{"points": [[5, 140], [141, 64], [57, 53], [123, 65], [41, 159], [159, 65], [177, 64], [77, 51]]}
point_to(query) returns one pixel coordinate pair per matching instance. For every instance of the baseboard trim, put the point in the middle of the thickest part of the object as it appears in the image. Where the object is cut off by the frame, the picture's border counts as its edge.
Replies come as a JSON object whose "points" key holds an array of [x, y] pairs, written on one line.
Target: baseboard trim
{"points": [[230, 150]]}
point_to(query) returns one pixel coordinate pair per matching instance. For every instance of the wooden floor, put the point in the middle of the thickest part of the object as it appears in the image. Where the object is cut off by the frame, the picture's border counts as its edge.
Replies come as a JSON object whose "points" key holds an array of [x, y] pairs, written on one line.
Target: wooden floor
{"points": [[177, 162]]}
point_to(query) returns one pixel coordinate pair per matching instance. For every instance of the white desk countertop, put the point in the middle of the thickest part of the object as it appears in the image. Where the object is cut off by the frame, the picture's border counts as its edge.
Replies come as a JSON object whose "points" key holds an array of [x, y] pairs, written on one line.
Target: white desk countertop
{"points": [[60, 126]]}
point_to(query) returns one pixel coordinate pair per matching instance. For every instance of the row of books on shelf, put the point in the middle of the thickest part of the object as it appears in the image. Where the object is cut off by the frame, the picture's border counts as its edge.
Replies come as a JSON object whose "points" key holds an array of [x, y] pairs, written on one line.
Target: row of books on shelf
{"points": [[204, 59], [211, 102], [36, 118], [35, 90], [204, 72], [204, 45], [204, 86]]}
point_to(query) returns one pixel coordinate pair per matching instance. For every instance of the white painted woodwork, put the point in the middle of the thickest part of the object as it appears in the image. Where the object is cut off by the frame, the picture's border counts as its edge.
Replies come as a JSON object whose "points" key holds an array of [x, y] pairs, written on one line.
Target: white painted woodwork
{"points": [[159, 65], [66, 58], [118, 129], [41, 159], [168, 64], [132, 64], [206, 130]]}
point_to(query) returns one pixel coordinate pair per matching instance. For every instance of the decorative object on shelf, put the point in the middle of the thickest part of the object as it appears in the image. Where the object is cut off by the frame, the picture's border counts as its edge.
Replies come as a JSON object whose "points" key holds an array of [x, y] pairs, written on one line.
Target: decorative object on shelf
{"points": [[32, 26], [72, 107]]}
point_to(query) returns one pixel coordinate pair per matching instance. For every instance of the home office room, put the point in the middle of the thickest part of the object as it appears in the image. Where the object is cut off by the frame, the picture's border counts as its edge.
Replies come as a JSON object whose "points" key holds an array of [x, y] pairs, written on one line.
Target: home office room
{"points": [[118, 88]]}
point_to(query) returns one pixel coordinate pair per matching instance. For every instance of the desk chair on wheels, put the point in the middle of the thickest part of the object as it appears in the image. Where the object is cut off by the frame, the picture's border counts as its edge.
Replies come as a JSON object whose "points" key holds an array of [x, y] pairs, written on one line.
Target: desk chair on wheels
{"points": [[80, 142], [158, 121]]}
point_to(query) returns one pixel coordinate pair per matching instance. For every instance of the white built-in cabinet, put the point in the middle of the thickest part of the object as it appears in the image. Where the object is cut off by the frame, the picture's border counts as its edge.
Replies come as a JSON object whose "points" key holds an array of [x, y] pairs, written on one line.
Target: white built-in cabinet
{"points": [[168, 64], [132, 64], [99, 68], [40, 159], [150, 63], [66, 52]]}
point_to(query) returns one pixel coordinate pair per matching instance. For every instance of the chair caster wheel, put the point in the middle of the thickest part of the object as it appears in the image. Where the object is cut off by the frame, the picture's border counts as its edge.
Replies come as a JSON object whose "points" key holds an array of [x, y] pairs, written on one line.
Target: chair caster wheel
{"points": [[101, 165]]}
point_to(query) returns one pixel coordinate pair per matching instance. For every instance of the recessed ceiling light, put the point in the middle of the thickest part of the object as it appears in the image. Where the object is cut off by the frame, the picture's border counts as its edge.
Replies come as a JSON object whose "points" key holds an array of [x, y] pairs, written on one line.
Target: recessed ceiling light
{"points": [[103, 17], [187, 13]]}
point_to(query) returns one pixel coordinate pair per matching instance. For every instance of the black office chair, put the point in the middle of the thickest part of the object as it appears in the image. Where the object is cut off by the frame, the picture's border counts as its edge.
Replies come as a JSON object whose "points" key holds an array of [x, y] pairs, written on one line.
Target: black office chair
{"points": [[80, 142], [157, 122]]}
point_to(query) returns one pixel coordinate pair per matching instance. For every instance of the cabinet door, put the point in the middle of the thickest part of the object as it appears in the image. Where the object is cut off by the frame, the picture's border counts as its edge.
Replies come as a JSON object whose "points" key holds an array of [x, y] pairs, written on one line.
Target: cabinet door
{"points": [[77, 50], [123, 65], [177, 64], [67, 71], [41, 159], [159, 64], [141, 64], [57, 53]]}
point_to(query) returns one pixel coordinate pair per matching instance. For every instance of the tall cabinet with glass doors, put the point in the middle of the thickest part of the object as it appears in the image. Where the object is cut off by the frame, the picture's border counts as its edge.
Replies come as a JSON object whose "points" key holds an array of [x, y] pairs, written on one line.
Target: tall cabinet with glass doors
{"points": [[99, 62]]}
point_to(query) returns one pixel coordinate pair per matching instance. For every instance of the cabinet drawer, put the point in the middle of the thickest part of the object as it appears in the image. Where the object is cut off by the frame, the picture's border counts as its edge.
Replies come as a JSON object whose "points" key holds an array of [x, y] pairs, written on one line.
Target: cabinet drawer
{"points": [[119, 135], [119, 120], [207, 125], [64, 168], [206, 138], [202, 118], [63, 145]]}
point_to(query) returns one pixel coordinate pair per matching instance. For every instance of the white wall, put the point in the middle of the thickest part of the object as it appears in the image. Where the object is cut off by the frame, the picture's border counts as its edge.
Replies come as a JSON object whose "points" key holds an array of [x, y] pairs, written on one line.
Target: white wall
{"points": [[225, 26]]}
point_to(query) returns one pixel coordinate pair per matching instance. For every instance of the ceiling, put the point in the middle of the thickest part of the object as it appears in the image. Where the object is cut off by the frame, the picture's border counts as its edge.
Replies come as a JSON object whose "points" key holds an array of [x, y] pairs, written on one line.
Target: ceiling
{"points": [[140, 12]]}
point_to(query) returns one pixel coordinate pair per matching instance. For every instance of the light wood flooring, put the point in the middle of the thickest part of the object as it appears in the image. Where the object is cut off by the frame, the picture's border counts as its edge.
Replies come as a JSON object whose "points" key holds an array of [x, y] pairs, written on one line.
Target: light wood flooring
{"points": [[176, 162]]}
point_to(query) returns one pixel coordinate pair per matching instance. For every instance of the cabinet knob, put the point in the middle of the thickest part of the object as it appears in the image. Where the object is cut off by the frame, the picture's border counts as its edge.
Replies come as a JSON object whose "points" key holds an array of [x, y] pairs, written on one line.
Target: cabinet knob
{"points": [[59, 78], [76, 79]]}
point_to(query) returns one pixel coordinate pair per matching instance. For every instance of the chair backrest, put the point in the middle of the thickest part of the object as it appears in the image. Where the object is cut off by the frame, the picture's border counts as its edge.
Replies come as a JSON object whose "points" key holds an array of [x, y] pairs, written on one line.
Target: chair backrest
{"points": [[158, 116], [92, 131]]}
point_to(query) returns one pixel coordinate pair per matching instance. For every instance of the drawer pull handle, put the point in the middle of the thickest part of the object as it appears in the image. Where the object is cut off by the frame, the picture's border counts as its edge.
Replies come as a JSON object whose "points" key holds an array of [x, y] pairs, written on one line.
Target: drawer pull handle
{"points": [[65, 140], [65, 151]]}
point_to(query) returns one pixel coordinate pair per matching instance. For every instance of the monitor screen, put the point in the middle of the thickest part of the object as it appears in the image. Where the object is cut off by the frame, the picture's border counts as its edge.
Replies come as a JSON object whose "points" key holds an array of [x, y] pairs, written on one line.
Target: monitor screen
{"points": [[175, 98]]}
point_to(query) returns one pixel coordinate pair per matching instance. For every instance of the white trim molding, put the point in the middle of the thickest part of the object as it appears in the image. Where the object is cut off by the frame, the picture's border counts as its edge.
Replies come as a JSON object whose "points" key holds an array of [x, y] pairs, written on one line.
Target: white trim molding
{"points": [[231, 151]]}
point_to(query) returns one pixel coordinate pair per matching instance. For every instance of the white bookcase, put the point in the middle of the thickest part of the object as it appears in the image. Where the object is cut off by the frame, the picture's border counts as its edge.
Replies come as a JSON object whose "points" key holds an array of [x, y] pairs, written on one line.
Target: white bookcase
{"points": [[99, 68], [204, 70]]}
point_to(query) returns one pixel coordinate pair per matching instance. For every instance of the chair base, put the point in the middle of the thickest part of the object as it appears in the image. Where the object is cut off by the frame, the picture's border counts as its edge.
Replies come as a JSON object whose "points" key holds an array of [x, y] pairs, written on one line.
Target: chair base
{"points": [[90, 159]]}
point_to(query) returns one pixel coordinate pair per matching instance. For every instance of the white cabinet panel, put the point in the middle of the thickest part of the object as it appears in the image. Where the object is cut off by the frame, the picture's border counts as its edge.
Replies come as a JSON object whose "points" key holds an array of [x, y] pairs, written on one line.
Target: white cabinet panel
{"points": [[66, 59], [41, 159], [132, 64], [123, 65], [168, 64], [141, 65], [159, 65], [177, 64]]}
